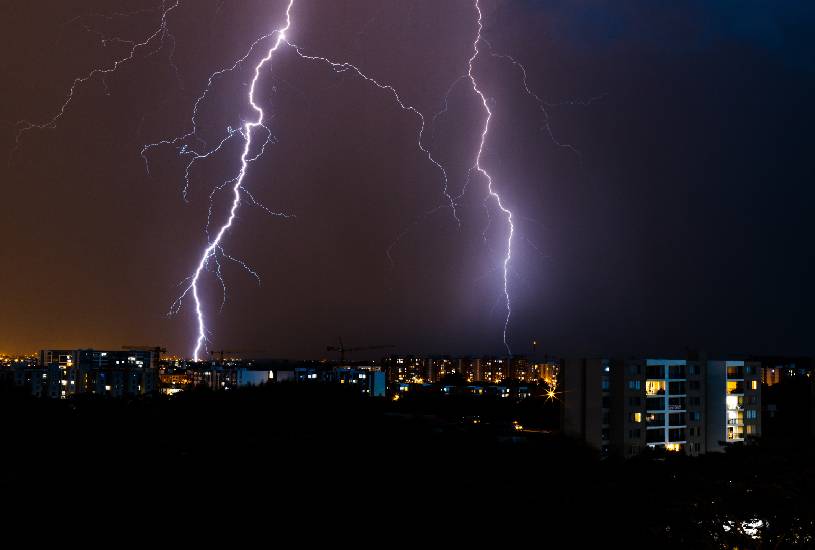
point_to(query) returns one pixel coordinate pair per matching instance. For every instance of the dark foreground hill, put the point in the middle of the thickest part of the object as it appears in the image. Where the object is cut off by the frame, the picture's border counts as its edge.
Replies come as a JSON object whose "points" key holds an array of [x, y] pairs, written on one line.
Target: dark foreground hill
{"points": [[319, 461]]}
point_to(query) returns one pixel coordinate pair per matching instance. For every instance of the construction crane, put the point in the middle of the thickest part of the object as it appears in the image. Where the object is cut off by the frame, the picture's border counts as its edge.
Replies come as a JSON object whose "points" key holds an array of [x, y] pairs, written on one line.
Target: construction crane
{"points": [[342, 349]]}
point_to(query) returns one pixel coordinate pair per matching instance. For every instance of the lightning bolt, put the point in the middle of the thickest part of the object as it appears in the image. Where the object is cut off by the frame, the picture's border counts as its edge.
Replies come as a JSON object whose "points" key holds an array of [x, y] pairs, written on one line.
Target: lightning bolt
{"points": [[478, 166], [542, 105], [213, 253], [343, 66], [215, 248], [161, 33], [247, 132]]}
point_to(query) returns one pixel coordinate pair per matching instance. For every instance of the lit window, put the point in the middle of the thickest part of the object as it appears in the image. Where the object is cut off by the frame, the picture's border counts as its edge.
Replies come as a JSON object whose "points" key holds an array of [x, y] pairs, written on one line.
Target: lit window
{"points": [[732, 402], [655, 387], [754, 384], [636, 417]]}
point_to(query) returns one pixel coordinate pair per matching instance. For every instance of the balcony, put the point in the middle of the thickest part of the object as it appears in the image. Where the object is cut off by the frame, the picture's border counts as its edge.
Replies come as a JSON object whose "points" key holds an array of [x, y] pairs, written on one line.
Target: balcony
{"points": [[655, 436], [655, 419], [676, 420], [655, 403], [655, 387], [655, 371]]}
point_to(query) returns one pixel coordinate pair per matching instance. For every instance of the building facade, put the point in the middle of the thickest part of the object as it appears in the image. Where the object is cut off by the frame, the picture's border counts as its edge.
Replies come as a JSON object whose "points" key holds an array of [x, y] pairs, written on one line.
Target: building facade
{"points": [[733, 402], [623, 406], [63, 373]]}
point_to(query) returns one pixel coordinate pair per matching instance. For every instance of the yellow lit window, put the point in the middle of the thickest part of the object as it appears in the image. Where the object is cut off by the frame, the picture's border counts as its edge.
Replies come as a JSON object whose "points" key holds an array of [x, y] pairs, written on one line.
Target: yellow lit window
{"points": [[754, 384], [654, 387], [636, 417]]}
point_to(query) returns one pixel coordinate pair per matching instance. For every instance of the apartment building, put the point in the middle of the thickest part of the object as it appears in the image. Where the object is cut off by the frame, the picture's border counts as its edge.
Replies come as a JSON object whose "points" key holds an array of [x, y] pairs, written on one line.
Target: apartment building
{"points": [[623, 405]]}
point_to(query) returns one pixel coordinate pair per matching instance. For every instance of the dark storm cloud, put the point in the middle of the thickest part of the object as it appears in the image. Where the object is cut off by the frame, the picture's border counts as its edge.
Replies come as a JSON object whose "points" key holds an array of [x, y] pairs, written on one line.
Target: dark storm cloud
{"points": [[684, 221]]}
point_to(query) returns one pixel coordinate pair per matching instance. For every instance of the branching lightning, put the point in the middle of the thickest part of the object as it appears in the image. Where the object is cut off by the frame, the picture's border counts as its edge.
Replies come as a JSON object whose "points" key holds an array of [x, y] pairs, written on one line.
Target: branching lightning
{"points": [[195, 149], [343, 66], [160, 34], [247, 133], [490, 183], [542, 105]]}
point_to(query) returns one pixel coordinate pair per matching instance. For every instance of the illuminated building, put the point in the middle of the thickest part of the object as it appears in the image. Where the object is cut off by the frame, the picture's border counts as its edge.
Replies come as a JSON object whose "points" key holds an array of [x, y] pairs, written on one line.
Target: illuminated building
{"points": [[778, 369], [313, 373], [493, 370], [470, 369], [733, 402], [622, 406], [251, 377], [520, 369], [439, 367], [172, 381], [788, 396], [45, 381], [116, 373], [62, 358], [674, 405], [405, 369], [546, 372], [209, 375], [63, 373], [370, 380], [415, 370]]}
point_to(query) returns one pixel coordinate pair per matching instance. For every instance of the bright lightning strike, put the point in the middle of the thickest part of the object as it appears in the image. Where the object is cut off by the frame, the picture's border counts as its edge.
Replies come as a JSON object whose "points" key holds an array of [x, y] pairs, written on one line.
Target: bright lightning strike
{"points": [[247, 132], [199, 151], [490, 183], [214, 247]]}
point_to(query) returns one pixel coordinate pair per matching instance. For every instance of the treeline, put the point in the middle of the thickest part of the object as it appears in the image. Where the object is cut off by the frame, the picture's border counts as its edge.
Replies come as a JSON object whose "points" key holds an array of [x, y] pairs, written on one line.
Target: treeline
{"points": [[328, 452]]}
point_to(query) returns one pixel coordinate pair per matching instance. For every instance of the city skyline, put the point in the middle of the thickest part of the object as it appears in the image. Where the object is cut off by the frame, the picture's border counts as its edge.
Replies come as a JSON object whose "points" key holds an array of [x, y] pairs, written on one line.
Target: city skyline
{"points": [[653, 235], [293, 269]]}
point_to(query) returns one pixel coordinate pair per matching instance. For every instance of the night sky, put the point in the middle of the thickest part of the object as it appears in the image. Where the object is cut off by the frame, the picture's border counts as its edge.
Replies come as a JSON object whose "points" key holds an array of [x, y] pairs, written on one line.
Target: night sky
{"points": [[684, 221]]}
